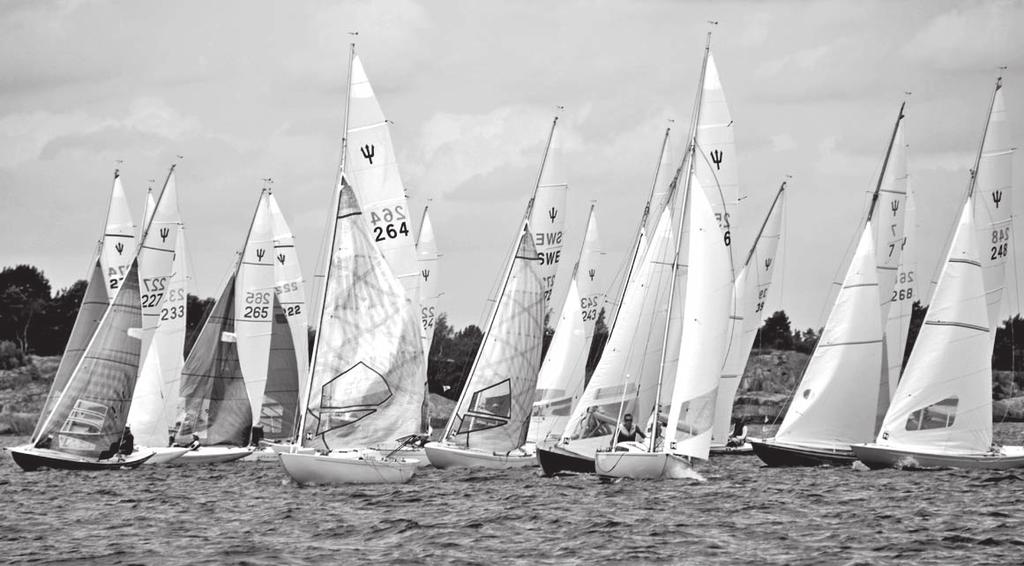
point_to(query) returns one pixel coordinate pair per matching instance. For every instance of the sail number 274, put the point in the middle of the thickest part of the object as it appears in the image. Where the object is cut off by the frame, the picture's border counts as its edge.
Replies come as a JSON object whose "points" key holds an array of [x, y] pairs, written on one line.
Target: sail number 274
{"points": [[388, 223]]}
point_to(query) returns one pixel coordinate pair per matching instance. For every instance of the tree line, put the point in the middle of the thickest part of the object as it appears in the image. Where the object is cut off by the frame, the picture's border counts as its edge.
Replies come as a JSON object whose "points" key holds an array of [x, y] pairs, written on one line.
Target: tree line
{"points": [[36, 320]]}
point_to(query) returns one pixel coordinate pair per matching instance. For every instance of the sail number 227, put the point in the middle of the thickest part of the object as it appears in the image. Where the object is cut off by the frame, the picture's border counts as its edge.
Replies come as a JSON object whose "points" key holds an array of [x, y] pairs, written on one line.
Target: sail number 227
{"points": [[388, 223]]}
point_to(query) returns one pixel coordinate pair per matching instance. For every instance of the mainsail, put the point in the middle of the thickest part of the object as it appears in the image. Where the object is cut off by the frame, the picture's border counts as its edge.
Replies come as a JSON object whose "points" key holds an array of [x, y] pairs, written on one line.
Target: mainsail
{"points": [[430, 290], [368, 367], [89, 414], [944, 401], [547, 217], [105, 277], [902, 297], [750, 298], [562, 375], [493, 410], [287, 379], [834, 405], [705, 331]]}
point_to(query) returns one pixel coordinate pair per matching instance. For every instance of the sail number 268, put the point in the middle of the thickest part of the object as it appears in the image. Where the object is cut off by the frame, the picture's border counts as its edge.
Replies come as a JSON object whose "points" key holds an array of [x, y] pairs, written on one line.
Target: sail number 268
{"points": [[388, 223]]}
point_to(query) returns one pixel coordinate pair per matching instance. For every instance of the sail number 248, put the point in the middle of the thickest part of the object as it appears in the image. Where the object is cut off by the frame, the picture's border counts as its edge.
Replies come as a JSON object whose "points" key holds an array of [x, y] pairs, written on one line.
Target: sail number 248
{"points": [[388, 223], [1000, 243]]}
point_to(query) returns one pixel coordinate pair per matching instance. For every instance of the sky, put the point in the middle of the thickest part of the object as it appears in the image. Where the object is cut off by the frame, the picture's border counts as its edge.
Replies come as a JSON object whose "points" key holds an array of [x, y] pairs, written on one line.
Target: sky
{"points": [[246, 90]]}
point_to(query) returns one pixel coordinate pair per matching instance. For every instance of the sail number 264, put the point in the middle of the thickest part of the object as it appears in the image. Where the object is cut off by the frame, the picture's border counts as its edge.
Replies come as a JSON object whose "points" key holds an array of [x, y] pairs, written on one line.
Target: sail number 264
{"points": [[388, 223]]}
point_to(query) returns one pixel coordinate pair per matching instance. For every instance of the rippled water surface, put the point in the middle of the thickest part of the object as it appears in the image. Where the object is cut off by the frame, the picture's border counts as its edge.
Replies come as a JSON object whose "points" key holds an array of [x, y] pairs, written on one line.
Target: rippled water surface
{"points": [[250, 513]]}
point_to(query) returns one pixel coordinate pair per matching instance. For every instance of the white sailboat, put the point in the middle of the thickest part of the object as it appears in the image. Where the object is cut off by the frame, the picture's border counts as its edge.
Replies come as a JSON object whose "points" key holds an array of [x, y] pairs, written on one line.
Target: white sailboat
{"points": [[491, 419], [366, 376], [844, 386], [941, 413], [155, 400], [106, 272], [751, 295], [629, 361], [225, 374], [563, 372]]}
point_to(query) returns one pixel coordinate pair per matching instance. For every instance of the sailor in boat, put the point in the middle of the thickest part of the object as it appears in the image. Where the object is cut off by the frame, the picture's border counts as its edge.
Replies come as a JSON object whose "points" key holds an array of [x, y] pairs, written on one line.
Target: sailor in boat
{"points": [[739, 433], [45, 442], [195, 443], [628, 432], [127, 445], [257, 434]]}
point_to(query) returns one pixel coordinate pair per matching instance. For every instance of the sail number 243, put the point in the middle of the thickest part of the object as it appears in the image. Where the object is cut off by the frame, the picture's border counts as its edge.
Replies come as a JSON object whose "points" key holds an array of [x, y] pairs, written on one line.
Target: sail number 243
{"points": [[388, 223]]}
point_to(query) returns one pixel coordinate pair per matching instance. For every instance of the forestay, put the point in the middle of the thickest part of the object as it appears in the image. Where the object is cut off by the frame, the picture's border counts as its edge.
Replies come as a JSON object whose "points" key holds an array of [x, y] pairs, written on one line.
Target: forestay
{"points": [[368, 367], [493, 410], [563, 372], [834, 405], [944, 401]]}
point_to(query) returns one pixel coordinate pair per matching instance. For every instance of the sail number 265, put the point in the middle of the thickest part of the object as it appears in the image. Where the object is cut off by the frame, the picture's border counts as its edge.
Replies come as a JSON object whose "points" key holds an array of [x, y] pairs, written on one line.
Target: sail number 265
{"points": [[388, 223], [257, 305]]}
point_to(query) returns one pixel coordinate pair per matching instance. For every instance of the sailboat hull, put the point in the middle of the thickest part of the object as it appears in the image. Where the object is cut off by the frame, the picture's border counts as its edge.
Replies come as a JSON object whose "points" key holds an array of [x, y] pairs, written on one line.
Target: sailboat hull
{"points": [[31, 459], [554, 460], [776, 455], [213, 455], [744, 449], [877, 457], [447, 456], [642, 465], [344, 468], [165, 455]]}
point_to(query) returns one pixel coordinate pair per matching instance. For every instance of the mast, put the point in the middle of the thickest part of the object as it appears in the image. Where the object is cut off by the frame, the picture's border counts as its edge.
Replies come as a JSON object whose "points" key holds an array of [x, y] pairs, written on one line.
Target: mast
{"points": [[327, 249], [984, 134], [639, 233], [764, 224], [156, 206], [540, 173], [690, 152], [885, 162]]}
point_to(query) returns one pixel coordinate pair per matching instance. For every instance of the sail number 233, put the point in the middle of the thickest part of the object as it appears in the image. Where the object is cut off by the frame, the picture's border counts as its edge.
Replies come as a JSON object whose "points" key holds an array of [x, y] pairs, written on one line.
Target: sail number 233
{"points": [[388, 223]]}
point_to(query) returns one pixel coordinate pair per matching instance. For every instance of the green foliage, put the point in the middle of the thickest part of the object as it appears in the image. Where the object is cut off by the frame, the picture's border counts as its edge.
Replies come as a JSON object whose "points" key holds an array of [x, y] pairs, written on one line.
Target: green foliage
{"points": [[451, 357], [196, 312], [775, 333], [10, 355], [1009, 346], [24, 294]]}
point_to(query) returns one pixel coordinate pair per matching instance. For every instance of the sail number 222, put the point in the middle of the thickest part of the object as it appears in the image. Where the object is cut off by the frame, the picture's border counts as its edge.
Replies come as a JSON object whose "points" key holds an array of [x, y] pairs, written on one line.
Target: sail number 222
{"points": [[388, 223]]}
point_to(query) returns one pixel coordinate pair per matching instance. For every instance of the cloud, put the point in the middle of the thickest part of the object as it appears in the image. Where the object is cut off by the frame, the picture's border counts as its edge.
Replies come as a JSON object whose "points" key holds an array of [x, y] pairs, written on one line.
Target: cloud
{"points": [[986, 33]]}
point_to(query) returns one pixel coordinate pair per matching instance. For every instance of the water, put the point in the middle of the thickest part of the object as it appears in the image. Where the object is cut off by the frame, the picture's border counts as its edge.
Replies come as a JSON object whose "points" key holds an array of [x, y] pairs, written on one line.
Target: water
{"points": [[249, 513]]}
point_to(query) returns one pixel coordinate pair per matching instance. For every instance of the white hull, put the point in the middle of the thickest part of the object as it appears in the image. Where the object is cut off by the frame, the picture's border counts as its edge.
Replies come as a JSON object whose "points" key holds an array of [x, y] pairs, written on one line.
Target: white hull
{"points": [[406, 452], [213, 455], [261, 455], [643, 466], [447, 456], [345, 468], [723, 450], [876, 457], [165, 455], [280, 447]]}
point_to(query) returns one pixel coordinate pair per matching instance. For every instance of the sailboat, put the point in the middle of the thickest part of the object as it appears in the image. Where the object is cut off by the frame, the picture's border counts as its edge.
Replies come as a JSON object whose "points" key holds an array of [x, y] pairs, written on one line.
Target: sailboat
{"points": [[163, 275], [563, 372], [750, 297], [845, 382], [366, 376], [629, 355], [83, 420], [941, 413], [491, 419], [225, 374]]}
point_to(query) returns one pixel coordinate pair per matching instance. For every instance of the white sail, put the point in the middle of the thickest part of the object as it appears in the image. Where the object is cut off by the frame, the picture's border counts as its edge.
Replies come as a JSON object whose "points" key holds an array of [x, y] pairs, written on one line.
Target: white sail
{"points": [[147, 214], [368, 366], [430, 290], [889, 219], [156, 257], [118, 246], [902, 297], [752, 302], [493, 410], [372, 170], [547, 218], [705, 333], [629, 365], [155, 401], [834, 405], [715, 160], [944, 401], [290, 290], [254, 305], [563, 372], [993, 209]]}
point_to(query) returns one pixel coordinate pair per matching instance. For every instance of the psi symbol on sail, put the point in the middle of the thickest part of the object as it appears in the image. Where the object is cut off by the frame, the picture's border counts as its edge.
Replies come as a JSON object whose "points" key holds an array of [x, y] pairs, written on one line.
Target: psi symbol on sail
{"points": [[281, 258], [716, 158], [552, 213], [367, 152], [260, 252], [426, 274], [997, 196], [895, 206], [164, 232], [119, 247]]}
